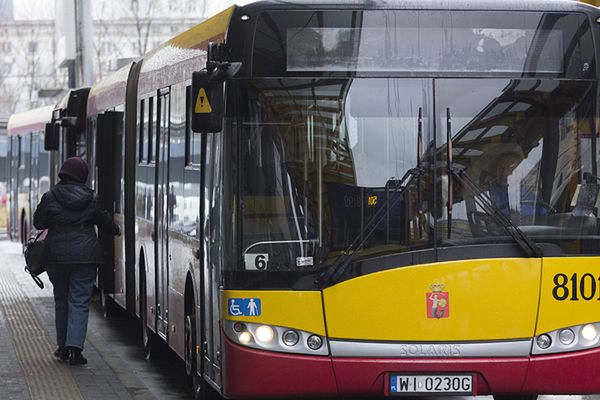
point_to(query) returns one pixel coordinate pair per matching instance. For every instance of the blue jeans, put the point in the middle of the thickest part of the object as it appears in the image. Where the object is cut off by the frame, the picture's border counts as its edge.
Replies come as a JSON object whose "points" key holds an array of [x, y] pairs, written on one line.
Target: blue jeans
{"points": [[73, 285]]}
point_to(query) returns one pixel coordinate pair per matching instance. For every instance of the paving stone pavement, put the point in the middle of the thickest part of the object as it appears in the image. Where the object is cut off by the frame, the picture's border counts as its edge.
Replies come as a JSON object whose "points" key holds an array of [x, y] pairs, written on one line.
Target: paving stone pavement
{"points": [[22, 358], [14, 385]]}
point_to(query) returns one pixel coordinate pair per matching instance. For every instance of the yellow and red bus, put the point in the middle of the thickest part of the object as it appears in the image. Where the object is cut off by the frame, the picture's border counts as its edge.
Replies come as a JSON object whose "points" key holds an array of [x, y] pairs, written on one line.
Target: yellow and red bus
{"points": [[408, 200], [350, 198]]}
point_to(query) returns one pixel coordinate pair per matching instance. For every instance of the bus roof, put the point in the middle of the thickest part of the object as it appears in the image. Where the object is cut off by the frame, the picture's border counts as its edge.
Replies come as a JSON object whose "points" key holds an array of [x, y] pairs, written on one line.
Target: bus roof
{"points": [[499, 5], [29, 121], [176, 59], [109, 92]]}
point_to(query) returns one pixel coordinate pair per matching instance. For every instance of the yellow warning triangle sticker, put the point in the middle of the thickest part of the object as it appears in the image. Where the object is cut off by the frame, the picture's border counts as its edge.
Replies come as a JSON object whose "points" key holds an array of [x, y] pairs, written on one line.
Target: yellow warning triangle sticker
{"points": [[202, 105]]}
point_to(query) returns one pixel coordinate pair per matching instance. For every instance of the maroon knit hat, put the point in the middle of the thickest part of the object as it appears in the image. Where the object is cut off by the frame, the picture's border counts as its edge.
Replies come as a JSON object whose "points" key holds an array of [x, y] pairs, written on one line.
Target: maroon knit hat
{"points": [[74, 168]]}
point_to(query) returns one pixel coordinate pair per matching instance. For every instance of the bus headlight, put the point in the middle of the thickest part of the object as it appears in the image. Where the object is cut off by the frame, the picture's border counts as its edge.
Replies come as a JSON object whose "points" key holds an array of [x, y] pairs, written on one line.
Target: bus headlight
{"points": [[544, 341], [245, 337], [566, 336], [264, 334], [290, 338], [238, 327], [281, 339], [314, 342], [572, 338], [589, 332]]}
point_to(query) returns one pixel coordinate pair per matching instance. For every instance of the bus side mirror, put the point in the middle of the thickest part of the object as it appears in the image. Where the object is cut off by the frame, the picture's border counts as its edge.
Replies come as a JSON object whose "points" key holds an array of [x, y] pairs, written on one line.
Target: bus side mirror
{"points": [[207, 103], [51, 136]]}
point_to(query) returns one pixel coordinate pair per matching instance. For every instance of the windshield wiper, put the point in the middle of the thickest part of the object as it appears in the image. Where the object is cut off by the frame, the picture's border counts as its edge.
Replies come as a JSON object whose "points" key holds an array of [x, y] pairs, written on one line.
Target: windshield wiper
{"points": [[339, 266], [482, 199]]}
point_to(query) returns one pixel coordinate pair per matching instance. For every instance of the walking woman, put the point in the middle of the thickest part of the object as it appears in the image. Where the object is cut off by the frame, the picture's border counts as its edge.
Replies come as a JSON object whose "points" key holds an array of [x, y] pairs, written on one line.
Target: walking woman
{"points": [[72, 253]]}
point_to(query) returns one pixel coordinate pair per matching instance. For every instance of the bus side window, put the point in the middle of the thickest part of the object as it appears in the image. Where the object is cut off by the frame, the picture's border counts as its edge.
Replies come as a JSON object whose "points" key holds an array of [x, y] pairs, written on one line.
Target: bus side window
{"points": [[192, 139], [151, 129], [142, 141]]}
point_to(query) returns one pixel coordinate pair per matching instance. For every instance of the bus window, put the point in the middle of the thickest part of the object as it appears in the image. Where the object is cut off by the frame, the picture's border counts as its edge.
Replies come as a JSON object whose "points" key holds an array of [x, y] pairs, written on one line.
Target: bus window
{"points": [[320, 160], [152, 128], [176, 201], [192, 139], [533, 172], [143, 141]]}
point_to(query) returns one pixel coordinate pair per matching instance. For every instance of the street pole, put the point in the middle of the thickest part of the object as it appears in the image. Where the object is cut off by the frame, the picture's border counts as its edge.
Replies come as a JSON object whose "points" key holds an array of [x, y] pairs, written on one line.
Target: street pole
{"points": [[83, 68]]}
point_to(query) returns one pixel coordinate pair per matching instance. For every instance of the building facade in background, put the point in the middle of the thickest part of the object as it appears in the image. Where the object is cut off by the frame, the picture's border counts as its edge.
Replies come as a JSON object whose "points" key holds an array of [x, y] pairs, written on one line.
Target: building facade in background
{"points": [[122, 31]]}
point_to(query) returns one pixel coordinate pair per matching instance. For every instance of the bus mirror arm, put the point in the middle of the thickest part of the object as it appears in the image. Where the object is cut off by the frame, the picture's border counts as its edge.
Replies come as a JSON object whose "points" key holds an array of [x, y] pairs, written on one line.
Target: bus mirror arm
{"points": [[217, 65], [224, 71]]}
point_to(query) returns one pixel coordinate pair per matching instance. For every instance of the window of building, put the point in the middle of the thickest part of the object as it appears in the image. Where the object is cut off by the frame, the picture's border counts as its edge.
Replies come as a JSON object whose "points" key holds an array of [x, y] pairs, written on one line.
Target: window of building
{"points": [[106, 47]]}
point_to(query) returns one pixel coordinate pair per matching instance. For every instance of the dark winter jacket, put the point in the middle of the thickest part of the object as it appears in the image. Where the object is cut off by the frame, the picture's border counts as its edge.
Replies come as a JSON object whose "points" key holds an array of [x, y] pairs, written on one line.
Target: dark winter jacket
{"points": [[69, 211]]}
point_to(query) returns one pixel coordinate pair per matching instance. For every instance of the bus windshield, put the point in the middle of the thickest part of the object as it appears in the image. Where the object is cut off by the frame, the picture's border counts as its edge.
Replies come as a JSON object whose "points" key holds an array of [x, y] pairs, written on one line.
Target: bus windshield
{"points": [[319, 159]]}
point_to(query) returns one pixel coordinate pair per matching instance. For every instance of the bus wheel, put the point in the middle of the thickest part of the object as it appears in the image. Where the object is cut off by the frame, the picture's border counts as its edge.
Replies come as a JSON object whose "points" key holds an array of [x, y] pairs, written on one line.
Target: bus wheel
{"points": [[190, 345], [200, 389], [516, 397], [149, 339]]}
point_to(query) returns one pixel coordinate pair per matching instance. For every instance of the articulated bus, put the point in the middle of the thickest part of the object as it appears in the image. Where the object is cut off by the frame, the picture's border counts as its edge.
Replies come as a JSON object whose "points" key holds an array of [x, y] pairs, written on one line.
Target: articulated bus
{"points": [[351, 198]]}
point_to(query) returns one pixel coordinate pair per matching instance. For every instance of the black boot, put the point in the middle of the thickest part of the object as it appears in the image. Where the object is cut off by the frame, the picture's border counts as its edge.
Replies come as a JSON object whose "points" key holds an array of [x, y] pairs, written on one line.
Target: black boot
{"points": [[76, 357], [62, 352]]}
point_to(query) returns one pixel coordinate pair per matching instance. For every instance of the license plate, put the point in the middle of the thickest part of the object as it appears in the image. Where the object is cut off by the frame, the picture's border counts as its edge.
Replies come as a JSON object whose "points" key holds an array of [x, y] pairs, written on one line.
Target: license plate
{"points": [[423, 384]]}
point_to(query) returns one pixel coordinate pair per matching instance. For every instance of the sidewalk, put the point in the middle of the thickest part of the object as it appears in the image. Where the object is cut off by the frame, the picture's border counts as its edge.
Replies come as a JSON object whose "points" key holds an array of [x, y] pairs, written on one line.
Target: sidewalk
{"points": [[28, 368]]}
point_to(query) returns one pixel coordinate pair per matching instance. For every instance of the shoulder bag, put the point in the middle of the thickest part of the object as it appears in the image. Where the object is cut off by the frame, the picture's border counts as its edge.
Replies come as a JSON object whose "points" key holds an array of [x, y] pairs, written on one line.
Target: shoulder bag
{"points": [[34, 263]]}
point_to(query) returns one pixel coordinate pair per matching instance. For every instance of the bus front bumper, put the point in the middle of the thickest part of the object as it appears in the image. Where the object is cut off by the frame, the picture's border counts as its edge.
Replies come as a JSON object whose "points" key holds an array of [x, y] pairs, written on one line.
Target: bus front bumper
{"points": [[250, 373]]}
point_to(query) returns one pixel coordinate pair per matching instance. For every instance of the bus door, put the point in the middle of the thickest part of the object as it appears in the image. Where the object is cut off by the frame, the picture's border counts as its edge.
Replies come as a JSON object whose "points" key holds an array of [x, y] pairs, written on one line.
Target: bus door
{"points": [[108, 128], [161, 224]]}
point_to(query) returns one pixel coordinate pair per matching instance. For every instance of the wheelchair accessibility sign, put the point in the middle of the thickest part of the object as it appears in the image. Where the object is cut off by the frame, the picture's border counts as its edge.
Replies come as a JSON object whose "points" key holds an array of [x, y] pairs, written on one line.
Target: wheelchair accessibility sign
{"points": [[244, 307]]}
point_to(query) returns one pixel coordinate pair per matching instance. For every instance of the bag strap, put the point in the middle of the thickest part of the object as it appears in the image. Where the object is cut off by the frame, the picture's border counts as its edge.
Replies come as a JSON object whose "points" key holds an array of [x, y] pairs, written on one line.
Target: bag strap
{"points": [[44, 230], [39, 234], [36, 279]]}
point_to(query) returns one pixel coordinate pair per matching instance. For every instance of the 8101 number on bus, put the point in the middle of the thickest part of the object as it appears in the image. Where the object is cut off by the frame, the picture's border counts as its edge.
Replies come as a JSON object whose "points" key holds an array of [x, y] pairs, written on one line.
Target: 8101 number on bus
{"points": [[576, 287]]}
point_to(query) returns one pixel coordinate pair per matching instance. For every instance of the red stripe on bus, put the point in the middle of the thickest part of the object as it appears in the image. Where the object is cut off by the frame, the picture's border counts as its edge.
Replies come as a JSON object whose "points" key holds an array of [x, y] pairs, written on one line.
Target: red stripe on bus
{"points": [[567, 373], [253, 373]]}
